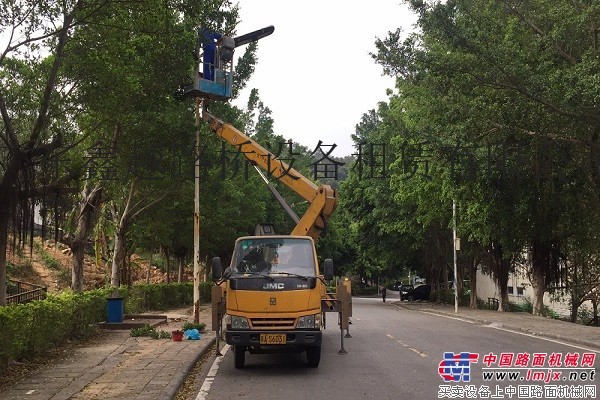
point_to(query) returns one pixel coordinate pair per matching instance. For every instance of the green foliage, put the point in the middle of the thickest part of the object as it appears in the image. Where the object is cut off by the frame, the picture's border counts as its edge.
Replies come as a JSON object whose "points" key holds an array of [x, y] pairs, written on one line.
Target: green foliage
{"points": [[527, 307], [164, 335], [364, 291], [148, 331], [146, 297], [446, 296], [33, 328], [48, 260], [498, 127], [144, 330], [190, 325], [585, 315], [10, 268]]}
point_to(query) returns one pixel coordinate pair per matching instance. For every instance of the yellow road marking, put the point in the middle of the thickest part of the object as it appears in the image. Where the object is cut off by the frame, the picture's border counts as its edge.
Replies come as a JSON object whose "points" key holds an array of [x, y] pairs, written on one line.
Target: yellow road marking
{"points": [[407, 346]]}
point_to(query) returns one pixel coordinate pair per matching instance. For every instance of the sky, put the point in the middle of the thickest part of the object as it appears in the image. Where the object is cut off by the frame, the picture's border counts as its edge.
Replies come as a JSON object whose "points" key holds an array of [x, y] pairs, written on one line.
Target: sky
{"points": [[314, 72]]}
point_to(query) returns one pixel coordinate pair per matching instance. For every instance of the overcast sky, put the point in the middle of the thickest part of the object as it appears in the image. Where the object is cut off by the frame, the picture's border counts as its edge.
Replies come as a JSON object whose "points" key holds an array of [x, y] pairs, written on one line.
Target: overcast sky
{"points": [[314, 72]]}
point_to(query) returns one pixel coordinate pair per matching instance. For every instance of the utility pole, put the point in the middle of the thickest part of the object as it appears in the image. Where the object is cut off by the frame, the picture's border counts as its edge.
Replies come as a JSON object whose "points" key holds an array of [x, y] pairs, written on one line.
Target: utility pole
{"points": [[197, 215], [455, 248]]}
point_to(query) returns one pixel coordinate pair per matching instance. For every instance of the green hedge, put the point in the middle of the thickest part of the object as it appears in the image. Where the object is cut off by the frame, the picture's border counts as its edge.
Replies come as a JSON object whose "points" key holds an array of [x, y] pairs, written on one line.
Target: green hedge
{"points": [[364, 291], [446, 296], [30, 329], [149, 297]]}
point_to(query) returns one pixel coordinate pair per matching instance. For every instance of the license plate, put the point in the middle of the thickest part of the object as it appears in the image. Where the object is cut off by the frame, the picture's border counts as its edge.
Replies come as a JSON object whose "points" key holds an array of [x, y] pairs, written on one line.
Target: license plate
{"points": [[272, 338]]}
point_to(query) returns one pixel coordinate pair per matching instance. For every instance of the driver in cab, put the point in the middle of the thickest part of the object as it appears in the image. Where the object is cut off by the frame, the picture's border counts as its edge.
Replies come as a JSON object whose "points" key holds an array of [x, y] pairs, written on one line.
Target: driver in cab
{"points": [[282, 259]]}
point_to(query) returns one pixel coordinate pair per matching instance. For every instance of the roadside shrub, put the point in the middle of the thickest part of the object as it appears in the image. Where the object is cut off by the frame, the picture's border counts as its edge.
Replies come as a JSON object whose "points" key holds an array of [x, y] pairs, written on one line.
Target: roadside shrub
{"points": [[189, 325], [446, 296], [146, 297], [33, 328], [205, 292], [364, 291], [527, 306], [147, 331]]}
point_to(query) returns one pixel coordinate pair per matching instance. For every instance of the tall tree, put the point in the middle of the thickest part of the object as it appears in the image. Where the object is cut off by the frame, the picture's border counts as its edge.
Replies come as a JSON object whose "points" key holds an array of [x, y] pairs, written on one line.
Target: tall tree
{"points": [[518, 94], [35, 99]]}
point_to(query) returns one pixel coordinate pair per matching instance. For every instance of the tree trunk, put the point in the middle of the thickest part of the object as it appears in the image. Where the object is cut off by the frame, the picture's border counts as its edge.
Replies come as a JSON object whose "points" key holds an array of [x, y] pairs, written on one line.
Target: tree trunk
{"points": [[445, 277], [473, 277], [149, 267], [167, 266], [3, 247], [543, 263], [118, 256], [538, 284], [503, 285], [574, 310], [575, 302], [122, 224], [500, 269], [180, 277], [207, 270], [88, 207]]}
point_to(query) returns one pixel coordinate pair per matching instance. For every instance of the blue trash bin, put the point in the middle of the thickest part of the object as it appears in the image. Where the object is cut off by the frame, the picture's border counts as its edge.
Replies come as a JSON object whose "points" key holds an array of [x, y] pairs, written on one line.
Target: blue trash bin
{"points": [[115, 310]]}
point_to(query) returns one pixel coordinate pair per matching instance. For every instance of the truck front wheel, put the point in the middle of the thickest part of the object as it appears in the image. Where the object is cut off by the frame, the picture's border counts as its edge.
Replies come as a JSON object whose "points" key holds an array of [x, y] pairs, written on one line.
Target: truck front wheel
{"points": [[239, 353], [313, 356]]}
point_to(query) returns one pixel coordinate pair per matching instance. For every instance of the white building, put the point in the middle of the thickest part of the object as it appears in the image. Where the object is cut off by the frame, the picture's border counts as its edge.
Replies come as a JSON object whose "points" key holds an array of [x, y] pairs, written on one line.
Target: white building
{"points": [[519, 291]]}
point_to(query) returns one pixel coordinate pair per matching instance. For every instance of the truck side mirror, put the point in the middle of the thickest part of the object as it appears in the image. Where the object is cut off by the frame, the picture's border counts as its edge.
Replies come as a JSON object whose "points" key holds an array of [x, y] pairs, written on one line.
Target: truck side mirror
{"points": [[217, 269], [328, 269]]}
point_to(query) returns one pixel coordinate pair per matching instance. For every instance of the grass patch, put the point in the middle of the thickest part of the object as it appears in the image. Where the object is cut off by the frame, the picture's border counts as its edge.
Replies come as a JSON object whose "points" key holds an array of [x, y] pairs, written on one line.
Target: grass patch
{"points": [[148, 331], [190, 325]]}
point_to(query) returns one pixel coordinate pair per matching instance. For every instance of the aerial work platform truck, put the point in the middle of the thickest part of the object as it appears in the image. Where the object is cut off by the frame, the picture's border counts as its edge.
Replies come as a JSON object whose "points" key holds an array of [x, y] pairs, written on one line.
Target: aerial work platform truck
{"points": [[273, 295]]}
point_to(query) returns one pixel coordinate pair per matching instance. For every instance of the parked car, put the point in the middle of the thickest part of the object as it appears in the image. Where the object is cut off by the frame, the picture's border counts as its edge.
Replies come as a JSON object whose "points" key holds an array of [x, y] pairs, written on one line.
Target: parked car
{"points": [[421, 292], [404, 289]]}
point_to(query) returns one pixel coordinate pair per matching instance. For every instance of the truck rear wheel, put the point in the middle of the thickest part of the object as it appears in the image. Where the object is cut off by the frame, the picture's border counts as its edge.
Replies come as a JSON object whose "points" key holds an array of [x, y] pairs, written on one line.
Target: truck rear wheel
{"points": [[239, 353], [313, 356]]}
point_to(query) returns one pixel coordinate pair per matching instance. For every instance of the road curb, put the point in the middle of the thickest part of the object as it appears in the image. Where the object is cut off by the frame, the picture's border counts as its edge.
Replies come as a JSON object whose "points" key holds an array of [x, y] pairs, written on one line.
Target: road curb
{"points": [[570, 340], [187, 369]]}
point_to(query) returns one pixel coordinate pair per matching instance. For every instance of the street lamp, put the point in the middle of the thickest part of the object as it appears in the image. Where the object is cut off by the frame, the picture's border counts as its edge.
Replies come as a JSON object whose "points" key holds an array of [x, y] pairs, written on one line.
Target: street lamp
{"points": [[456, 247]]}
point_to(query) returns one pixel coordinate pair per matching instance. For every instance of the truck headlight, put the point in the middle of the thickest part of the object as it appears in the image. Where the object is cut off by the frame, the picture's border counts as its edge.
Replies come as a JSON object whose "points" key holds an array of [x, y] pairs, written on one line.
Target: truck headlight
{"points": [[309, 321], [239, 322]]}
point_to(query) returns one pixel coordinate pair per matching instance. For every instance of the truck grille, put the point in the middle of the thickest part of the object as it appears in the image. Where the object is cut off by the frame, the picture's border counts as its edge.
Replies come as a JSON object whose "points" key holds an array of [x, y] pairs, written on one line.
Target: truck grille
{"points": [[273, 323]]}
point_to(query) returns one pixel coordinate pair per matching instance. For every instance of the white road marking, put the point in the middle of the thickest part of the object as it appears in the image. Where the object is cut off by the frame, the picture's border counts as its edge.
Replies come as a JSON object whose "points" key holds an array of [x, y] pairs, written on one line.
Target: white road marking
{"points": [[210, 377], [494, 326], [542, 338], [447, 316], [407, 346]]}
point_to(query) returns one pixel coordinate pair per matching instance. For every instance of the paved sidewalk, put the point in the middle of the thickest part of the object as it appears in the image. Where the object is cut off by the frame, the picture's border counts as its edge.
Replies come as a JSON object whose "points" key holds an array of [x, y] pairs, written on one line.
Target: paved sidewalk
{"points": [[118, 366], [586, 336]]}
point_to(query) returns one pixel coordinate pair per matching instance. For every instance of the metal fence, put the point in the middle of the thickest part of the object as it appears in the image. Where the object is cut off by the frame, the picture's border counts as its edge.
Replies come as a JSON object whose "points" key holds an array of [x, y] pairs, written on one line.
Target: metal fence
{"points": [[23, 292]]}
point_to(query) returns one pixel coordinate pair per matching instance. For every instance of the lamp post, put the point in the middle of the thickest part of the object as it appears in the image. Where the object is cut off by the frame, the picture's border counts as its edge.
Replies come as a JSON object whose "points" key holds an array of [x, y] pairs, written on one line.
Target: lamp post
{"points": [[197, 215], [455, 247]]}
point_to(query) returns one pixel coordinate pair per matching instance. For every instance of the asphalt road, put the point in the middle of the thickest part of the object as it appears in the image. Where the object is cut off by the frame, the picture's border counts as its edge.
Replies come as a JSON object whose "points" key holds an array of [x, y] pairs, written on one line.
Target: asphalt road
{"points": [[393, 353]]}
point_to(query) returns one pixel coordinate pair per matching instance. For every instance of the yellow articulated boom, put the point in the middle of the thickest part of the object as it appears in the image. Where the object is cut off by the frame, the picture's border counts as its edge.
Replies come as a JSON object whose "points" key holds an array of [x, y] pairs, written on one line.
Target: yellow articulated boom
{"points": [[273, 296]]}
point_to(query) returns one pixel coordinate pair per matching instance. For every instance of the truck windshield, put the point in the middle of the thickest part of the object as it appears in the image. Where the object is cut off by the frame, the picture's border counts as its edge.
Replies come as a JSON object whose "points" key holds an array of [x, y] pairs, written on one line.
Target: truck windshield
{"points": [[274, 256]]}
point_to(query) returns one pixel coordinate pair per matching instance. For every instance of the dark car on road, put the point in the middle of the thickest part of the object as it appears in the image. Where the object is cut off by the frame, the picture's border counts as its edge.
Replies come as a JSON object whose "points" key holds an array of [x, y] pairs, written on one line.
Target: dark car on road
{"points": [[421, 292], [404, 289]]}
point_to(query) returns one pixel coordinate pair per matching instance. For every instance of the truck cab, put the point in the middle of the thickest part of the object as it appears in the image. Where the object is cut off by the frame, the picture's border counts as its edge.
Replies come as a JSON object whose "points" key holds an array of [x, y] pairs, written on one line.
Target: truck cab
{"points": [[273, 297]]}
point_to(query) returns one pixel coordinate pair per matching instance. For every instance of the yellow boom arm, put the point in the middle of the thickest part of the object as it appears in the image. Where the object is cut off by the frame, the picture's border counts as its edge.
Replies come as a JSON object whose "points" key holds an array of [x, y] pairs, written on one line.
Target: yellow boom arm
{"points": [[322, 199]]}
